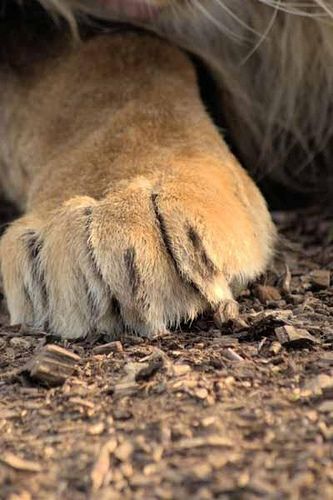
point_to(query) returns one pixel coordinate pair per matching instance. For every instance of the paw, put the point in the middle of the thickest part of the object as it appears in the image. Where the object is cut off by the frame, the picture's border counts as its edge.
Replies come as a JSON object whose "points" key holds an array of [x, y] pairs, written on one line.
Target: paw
{"points": [[146, 257]]}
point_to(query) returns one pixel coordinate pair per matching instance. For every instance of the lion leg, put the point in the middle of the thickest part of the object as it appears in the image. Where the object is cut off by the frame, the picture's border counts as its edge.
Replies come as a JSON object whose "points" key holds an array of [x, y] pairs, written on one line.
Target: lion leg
{"points": [[137, 216]]}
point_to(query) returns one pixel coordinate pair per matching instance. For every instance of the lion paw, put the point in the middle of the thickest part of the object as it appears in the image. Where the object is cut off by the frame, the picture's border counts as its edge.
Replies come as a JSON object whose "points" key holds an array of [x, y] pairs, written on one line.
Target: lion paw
{"points": [[144, 258]]}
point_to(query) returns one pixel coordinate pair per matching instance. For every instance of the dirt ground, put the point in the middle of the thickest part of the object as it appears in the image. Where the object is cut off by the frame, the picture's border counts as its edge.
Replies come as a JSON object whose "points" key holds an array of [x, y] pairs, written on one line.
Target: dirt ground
{"points": [[244, 411]]}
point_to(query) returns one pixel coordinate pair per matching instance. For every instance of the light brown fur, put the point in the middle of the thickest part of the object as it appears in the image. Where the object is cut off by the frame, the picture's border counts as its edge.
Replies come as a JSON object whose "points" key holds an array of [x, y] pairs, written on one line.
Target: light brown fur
{"points": [[273, 63], [137, 215]]}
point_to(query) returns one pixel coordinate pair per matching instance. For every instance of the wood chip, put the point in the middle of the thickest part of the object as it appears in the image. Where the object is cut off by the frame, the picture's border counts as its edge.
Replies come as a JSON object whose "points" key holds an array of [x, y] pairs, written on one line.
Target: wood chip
{"points": [[286, 280], [266, 293], [212, 441], [124, 451], [201, 393], [18, 463], [20, 343], [294, 337], [208, 421], [152, 365], [322, 384], [126, 470], [275, 348], [180, 370], [232, 355], [125, 388], [107, 348], [320, 278], [81, 402], [52, 365], [280, 315], [326, 406], [102, 464], [138, 372], [96, 429], [22, 495]]}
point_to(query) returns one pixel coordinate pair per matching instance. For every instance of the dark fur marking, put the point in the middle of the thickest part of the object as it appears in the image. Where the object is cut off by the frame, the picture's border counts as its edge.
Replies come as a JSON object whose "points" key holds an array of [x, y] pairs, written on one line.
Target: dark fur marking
{"points": [[132, 269], [88, 212], [168, 244], [198, 245], [34, 245], [91, 299], [115, 306], [194, 237], [165, 235], [116, 311]]}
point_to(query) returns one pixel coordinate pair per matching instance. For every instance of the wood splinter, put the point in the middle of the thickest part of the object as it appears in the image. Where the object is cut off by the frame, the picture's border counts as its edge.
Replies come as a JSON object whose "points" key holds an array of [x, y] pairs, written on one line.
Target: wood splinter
{"points": [[52, 365]]}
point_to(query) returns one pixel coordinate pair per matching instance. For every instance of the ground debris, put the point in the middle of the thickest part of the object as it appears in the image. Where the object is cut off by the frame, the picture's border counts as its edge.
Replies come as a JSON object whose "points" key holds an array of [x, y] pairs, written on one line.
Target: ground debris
{"points": [[96, 429], [285, 279], [326, 406], [124, 451], [320, 385], [263, 323], [266, 293], [102, 464], [214, 441], [151, 365], [180, 370], [139, 372], [320, 278], [115, 346], [20, 463], [232, 355], [289, 336], [52, 365]]}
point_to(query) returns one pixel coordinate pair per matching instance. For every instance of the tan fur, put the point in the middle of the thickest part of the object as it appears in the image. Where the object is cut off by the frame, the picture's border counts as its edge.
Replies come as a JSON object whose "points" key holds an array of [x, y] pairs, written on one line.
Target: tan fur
{"points": [[273, 61], [137, 215]]}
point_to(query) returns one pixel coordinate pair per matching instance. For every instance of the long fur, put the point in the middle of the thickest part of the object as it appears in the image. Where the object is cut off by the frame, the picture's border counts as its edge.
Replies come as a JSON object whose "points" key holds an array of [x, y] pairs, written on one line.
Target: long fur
{"points": [[273, 60]]}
